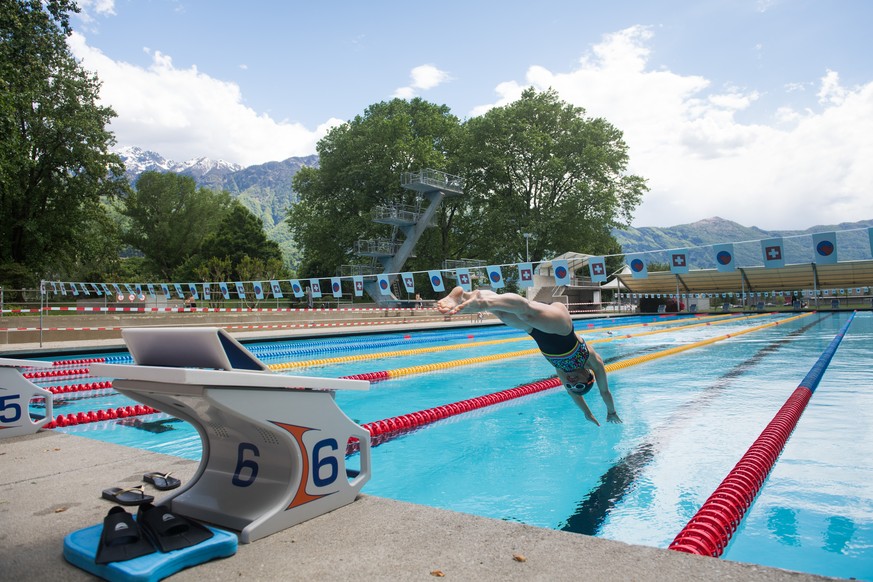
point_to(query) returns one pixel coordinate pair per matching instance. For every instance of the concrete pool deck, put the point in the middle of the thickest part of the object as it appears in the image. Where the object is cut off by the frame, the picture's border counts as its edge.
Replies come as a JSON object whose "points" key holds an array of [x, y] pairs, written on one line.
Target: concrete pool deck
{"points": [[50, 486]]}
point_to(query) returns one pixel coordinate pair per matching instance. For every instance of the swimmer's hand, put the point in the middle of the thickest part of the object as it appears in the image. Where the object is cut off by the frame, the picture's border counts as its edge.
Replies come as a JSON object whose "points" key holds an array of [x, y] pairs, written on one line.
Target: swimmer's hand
{"points": [[590, 417], [454, 302], [445, 305], [613, 418], [451, 303]]}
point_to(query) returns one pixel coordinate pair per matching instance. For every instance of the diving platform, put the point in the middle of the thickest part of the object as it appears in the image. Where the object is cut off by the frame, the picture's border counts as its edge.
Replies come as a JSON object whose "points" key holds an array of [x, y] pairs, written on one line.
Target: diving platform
{"points": [[433, 186], [380, 247], [427, 180], [396, 214]]}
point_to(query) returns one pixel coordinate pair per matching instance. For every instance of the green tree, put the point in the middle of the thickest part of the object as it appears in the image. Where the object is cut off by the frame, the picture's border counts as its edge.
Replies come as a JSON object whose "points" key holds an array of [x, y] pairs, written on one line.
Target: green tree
{"points": [[55, 164], [538, 165], [240, 238], [360, 164], [168, 218]]}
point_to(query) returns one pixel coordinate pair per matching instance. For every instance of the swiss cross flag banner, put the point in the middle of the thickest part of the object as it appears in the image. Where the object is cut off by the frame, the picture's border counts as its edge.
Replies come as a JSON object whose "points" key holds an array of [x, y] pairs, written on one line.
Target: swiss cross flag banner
{"points": [[597, 269], [408, 282], [525, 275], [774, 256], [679, 262], [464, 279]]}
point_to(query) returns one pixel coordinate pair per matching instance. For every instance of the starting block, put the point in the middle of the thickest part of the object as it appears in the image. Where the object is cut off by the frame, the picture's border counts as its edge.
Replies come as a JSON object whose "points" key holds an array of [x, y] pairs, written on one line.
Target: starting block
{"points": [[16, 392], [273, 445]]}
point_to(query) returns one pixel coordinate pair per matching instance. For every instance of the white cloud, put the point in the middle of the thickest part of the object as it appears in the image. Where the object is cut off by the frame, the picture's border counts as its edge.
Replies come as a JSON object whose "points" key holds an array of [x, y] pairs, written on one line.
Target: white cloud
{"points": [[423, 77], [101, 7], [830, 92], [807, 168], [183, 113], [87, 9]]}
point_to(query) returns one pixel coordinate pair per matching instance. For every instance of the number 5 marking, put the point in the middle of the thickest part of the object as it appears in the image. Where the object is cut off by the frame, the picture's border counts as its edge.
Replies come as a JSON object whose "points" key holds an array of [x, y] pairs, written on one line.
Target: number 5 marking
{"points": [[12, 407]]}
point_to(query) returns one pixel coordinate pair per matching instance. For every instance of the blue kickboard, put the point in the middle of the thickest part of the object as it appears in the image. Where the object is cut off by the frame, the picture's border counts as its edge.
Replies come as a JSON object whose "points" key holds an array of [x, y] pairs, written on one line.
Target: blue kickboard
{"points": [[80, 549]]}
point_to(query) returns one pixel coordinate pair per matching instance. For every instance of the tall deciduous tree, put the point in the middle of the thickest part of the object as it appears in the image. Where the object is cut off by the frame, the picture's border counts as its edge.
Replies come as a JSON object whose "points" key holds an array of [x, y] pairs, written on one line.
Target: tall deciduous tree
{"points": [[360, 164], [55, 164], [168, 218], [539, 166], [240, 238]]}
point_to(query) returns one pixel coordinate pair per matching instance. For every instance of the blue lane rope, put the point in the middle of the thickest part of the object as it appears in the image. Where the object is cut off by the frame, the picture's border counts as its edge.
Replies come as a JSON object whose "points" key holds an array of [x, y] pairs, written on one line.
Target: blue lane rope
{"points": [[813, 377]]}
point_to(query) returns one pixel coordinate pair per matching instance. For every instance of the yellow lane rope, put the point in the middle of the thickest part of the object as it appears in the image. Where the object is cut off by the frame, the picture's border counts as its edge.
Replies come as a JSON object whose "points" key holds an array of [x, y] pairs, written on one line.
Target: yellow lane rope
{"points": [[422, 368], [417, 351], [664, 322], [678, 349], [609, 368], [467, 361]]}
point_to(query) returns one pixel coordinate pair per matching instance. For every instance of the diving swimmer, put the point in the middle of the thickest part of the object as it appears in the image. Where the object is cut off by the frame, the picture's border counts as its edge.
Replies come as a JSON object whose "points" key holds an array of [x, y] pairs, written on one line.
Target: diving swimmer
{"points": [[577, 365]]}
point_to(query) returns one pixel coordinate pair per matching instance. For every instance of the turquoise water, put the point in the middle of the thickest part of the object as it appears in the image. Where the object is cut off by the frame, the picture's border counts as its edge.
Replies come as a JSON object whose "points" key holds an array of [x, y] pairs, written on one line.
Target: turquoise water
{"points": [[688, 419]]}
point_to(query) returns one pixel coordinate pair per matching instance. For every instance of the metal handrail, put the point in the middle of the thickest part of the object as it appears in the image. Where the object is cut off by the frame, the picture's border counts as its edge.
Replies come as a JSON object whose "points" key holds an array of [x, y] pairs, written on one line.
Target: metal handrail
{"points": [[435, 178]]}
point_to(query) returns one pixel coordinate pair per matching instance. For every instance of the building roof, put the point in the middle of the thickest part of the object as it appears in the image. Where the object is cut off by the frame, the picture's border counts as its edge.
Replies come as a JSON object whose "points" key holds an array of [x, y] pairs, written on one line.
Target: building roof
{"points": [[752, 279]]}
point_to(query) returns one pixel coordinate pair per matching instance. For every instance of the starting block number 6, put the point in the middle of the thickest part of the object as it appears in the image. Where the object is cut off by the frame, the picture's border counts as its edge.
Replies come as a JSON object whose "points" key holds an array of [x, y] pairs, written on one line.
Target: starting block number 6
{"points": [[243, 463], [325, 469]]}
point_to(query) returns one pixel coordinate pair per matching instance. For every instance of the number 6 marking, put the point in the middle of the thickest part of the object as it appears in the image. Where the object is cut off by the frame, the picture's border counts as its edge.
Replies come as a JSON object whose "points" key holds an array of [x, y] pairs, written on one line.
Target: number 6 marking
{"points": [[329, 462], [243, 463]]}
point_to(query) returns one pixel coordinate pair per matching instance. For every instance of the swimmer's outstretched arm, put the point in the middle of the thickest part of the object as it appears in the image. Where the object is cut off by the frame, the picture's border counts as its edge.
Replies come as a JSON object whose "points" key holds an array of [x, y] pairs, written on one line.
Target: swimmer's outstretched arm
{"points": [[595, 363], [511, 308], [580, 402], [481, 300]]}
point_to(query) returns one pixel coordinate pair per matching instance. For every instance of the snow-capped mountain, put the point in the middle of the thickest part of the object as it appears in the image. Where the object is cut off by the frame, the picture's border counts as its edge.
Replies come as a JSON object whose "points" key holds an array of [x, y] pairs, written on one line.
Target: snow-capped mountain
{"points": [[265, 189], [137, 160]]}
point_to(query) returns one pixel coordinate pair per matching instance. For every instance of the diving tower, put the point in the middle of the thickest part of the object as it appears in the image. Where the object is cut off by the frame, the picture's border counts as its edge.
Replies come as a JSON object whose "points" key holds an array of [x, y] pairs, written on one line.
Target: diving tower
{"points": [[432, 186]]}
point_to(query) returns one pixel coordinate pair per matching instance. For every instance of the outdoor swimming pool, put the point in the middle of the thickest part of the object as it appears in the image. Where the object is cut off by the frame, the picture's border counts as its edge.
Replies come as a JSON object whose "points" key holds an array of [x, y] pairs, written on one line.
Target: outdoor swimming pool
{"points": [[688, 418]]}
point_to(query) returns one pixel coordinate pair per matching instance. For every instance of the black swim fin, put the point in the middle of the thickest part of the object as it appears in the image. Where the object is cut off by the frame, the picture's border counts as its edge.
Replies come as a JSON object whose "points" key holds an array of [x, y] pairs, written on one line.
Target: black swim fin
{"points": [[121, 538], [169, 531]]}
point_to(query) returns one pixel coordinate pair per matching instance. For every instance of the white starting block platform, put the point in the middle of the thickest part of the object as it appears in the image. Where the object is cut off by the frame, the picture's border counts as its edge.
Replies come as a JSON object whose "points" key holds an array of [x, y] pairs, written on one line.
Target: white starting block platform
{"points": [[16, 392], [273, 445]]}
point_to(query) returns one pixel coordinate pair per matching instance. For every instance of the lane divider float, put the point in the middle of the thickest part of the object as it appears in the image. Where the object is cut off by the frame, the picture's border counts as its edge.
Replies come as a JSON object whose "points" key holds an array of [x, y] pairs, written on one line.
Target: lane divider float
{"points": [[516, 354], [389, 428], [711, 528], [411, 420]]}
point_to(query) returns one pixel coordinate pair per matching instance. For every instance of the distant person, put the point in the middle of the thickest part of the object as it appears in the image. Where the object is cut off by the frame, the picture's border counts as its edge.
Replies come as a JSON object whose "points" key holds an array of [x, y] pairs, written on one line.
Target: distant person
{"points": [[191, 302], [577, 365]]}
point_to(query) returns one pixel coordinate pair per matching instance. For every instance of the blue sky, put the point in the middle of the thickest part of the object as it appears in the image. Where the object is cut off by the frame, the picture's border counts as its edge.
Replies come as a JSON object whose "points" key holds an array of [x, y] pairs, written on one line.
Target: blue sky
{"points": [[758, 111]]}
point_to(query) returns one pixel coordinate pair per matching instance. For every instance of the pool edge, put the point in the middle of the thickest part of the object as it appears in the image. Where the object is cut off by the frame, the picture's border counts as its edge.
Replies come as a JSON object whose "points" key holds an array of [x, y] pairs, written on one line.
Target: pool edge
{"points": [[51, 482]]}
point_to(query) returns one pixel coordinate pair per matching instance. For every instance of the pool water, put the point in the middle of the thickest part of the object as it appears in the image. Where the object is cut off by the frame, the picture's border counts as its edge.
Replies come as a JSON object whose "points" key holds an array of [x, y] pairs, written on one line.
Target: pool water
{"points": [[688, 418]]}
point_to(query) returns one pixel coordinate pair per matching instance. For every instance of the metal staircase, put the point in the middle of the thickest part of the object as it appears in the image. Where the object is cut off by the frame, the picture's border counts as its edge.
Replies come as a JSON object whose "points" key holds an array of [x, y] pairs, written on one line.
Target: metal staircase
{"points": [[410, 221]]}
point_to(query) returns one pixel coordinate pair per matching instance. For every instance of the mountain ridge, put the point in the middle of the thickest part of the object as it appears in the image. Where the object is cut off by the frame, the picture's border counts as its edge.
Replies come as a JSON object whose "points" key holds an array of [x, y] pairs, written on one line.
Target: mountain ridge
{"points": [[266, 190], [853, 243]]}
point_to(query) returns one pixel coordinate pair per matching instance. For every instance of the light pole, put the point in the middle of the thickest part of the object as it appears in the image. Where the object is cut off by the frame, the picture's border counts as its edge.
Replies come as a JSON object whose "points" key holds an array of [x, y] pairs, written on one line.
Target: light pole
{"points": [[527, 236]]}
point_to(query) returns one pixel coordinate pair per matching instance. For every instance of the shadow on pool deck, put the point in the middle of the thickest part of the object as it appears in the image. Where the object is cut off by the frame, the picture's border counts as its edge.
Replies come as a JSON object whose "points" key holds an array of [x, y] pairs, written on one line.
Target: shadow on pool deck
{"points": [[50, 485]]}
